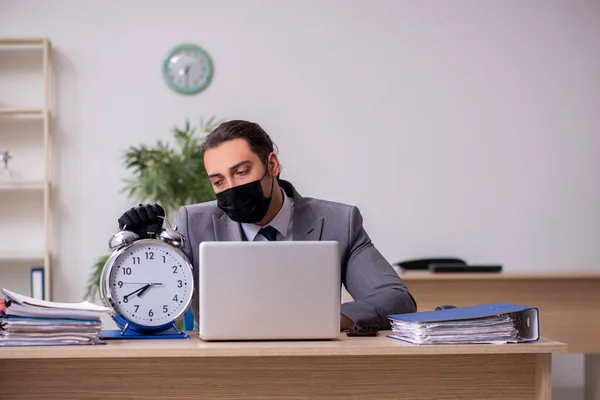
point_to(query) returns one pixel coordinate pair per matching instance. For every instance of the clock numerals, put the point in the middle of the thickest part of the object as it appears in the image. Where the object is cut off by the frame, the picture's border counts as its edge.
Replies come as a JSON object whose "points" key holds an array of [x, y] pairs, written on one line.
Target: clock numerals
{"points": [[188, 76], [154, 295], [188, 69]]}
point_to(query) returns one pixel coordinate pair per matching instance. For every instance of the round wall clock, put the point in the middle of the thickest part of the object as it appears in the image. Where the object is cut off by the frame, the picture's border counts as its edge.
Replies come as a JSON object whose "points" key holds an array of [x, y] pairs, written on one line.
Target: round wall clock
{"points": [[187, 69]]}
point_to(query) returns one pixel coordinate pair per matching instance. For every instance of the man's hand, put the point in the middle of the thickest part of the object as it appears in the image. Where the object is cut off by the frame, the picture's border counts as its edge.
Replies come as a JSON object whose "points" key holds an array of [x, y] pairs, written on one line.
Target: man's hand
{"points": [[346, 323], [145, 220]]}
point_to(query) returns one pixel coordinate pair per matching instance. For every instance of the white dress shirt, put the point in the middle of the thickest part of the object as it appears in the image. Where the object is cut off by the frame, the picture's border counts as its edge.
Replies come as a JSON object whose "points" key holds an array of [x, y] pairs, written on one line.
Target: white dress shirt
{"points": [[282, 223]]}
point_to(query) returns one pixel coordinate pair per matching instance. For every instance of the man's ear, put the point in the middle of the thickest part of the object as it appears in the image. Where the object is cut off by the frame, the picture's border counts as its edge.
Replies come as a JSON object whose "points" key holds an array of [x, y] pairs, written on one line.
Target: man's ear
{"points": [[273, 164]]}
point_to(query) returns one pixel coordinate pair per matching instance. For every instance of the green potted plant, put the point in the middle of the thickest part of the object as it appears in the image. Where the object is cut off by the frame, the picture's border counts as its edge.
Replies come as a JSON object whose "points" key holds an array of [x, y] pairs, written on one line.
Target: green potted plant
{"points": [[171, 175]]}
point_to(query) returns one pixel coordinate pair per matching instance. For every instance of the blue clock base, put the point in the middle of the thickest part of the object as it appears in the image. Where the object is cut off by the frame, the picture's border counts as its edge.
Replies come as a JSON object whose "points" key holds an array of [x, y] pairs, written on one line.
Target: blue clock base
{"points": [[130, 330], [117, 334]]}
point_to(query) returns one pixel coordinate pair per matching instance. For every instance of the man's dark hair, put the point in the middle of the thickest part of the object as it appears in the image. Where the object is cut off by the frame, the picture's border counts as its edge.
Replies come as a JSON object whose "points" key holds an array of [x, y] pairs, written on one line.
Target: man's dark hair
{"points": [[259, 141]]}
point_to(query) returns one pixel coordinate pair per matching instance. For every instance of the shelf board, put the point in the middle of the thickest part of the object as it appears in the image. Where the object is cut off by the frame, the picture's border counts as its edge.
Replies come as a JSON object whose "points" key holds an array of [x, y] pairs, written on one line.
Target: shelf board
{"points": [[22, 111], [23, 41], [22, 185], [23, 256]]}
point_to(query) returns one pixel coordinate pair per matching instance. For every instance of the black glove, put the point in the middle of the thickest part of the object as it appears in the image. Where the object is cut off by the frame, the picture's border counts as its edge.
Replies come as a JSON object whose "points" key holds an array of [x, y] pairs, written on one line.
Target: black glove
{"points": [[145, 220]]}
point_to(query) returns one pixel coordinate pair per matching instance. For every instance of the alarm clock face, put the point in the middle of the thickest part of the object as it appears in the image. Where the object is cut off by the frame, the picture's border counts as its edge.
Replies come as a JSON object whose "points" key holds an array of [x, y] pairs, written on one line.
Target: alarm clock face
{"points": [[187, 69], [150, 283]]}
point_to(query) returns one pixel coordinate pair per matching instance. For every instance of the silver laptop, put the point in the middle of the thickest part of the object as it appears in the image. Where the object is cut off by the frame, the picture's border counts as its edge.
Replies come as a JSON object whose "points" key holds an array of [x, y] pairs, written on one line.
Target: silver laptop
{"points": [[269, 290]]}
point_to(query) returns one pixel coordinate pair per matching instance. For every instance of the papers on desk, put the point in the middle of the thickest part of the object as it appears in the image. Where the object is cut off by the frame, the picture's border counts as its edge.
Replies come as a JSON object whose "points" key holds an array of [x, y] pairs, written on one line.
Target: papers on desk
{"points": [[25, 321], [496, 323]]}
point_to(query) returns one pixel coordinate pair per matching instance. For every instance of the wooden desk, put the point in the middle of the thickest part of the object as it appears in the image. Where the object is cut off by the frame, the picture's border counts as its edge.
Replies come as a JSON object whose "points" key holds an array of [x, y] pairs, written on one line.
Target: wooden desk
{"points": [[344, 368], [569, 305]]}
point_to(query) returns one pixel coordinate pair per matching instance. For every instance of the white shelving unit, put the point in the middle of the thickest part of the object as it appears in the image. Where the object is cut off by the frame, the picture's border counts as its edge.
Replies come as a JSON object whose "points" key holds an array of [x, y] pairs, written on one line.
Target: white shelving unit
{"points": [[22, 256], [22, 185], [22, 111], [44, 184]]}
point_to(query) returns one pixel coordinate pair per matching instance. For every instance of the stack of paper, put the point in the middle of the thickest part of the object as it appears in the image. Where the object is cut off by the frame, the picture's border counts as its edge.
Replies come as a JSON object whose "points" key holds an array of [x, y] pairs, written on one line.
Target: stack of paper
{"points": [[481, 330], [25, 321], [487, 323]]}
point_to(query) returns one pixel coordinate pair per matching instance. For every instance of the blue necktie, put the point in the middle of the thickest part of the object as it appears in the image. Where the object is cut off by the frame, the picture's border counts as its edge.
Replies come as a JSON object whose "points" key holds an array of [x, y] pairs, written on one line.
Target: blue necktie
{"points": [[269, 233]]}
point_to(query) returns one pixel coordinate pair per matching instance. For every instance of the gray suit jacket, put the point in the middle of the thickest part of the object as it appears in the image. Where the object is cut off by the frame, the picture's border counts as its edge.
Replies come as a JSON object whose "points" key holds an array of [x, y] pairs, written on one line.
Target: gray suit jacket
{"points": [[376, 288]]}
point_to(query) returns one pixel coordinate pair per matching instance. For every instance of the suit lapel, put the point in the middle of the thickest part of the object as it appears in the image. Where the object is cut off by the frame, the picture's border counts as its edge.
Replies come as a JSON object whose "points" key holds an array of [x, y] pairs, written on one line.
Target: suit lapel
{"points": [[307, 230], [306, 225], [227, 230]]}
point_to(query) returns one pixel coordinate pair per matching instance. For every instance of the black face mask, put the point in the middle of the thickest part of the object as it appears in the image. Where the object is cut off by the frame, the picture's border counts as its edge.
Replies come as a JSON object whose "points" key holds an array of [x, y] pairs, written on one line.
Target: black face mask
{"points": [[245, 203]]}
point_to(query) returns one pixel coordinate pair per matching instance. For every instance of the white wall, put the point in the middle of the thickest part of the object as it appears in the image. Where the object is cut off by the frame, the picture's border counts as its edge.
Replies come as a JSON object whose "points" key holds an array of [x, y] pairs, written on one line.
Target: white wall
{"points": [[463, 128]]}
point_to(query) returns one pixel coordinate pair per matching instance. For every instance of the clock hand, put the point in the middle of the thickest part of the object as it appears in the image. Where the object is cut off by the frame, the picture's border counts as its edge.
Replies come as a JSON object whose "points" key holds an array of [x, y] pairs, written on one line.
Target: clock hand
{"points": [[147, 287], [143, 283], [141, 292], [135, 291]]}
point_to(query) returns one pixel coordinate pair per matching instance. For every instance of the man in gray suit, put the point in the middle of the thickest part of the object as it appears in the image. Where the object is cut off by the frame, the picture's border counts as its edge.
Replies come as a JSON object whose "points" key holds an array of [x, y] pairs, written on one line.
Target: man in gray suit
{"points": [[253, 204]]}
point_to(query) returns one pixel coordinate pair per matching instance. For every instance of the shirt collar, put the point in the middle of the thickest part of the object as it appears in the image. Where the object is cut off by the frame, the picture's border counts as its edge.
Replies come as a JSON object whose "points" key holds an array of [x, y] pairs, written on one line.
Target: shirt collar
{"points": [[281, 222]]}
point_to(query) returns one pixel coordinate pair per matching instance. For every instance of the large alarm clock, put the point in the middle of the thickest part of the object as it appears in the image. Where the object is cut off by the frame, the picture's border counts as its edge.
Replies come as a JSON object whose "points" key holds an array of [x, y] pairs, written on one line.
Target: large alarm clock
{"points": [[147, 283], [187, 69]]}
